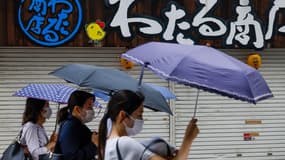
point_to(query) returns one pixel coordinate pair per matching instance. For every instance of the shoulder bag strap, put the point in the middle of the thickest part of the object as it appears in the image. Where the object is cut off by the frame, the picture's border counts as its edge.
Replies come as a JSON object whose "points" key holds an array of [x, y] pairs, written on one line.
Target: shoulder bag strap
{"points": [[118, 151], [153, 142], [19, 136], [26, 150], [39, 137]]}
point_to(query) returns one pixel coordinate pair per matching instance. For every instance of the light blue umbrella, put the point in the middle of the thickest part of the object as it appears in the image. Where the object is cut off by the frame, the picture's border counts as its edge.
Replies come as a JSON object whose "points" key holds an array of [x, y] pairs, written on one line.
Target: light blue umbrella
{"points": [[108, 80], [101, 95], [167, 94], [202, 67], [163, 90]]}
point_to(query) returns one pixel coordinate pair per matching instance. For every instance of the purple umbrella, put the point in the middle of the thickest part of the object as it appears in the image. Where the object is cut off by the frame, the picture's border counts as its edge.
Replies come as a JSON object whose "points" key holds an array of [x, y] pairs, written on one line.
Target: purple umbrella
{"points": [[202, 67]]}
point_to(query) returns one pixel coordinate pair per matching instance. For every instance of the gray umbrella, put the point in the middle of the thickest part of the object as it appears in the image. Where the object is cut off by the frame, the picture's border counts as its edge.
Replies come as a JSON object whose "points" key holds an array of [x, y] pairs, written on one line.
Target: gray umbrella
{"points": [[108, 80]]}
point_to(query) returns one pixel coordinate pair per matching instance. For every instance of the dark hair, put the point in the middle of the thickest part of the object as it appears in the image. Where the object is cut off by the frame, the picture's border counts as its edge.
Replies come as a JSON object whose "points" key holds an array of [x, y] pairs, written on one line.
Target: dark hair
{"points": [[125, 100], [77, 98], [33, 110]]}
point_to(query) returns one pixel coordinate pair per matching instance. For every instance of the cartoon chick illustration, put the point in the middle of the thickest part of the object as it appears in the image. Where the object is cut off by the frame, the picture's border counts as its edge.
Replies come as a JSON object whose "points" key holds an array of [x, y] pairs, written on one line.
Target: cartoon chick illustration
{"points": [[95, 31]]}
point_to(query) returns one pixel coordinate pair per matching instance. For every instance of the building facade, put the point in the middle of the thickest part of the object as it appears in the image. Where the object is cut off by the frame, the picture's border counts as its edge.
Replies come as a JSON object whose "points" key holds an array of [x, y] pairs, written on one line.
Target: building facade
{"points": [[36, 40]]}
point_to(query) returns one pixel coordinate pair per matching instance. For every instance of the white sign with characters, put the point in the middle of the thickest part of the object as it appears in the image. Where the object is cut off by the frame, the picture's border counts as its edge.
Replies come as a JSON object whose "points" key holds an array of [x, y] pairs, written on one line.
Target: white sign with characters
{"points": [[175, 25]]}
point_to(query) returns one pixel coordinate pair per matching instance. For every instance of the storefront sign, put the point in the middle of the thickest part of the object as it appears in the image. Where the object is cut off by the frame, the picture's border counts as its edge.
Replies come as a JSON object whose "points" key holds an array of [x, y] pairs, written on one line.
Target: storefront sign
{"points": [[50, 23], [245, 29], [54, 22]]}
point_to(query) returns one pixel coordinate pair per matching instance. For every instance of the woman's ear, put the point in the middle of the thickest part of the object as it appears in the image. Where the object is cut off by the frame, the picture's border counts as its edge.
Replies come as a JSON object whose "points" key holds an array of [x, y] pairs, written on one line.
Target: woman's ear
{"points": [[76, 110], [42, 112], [122, 115]]}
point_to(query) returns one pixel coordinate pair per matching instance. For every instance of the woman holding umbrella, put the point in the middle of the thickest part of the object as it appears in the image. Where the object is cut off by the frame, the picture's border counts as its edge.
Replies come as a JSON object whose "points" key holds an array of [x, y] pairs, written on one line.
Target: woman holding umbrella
{"points": [[124, 118], [33, 134]]}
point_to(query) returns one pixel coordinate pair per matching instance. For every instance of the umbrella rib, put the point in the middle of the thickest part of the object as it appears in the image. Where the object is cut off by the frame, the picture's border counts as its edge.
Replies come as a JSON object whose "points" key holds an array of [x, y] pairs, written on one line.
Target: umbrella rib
{"points": [[148, 65], [267, 95]]}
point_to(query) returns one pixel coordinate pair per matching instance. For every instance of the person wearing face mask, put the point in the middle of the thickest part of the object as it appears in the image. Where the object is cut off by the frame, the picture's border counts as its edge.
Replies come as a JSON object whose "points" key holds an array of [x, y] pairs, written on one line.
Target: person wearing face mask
{"points": [[33, 134], [75, 140], [124, 118]]}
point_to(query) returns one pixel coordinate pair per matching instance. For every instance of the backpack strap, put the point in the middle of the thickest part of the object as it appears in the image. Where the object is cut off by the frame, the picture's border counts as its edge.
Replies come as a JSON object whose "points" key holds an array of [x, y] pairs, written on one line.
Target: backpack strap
{"points": [[118, 151]]}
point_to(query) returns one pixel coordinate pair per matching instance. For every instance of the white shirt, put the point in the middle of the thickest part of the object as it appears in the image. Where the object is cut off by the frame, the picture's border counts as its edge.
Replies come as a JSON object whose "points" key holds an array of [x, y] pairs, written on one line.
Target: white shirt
{"points": [[35, 137], [129, 148]]}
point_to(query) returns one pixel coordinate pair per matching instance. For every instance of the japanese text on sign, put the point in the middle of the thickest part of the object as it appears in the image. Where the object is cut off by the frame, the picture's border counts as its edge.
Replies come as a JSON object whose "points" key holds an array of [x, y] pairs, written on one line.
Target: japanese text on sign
{"points": [[245, 29], [49, 22]]}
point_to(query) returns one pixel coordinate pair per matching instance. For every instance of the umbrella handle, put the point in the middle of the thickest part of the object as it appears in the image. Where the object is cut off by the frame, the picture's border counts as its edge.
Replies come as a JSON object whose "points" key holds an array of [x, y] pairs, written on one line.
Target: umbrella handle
{"points": [[56, 118], [142, 72], [195, 109]]}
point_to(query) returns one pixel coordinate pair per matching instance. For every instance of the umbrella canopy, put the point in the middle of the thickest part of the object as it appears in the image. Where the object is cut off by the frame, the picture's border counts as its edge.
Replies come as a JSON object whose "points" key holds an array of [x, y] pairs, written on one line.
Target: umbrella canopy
{"points": [[53, 92], [167, 94], [108, 80], [164, 91], [202, 67], [58, 93]]}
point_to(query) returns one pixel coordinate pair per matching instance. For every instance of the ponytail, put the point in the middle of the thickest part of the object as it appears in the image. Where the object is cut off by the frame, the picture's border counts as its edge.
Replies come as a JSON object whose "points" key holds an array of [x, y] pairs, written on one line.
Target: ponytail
{"points": [[62, 114], [102, 137]]}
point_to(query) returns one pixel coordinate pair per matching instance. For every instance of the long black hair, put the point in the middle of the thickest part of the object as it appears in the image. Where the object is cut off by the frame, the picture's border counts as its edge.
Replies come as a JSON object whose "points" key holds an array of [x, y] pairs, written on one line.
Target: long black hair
{"points": [[77, 98], [33, 110], [125, 100]]}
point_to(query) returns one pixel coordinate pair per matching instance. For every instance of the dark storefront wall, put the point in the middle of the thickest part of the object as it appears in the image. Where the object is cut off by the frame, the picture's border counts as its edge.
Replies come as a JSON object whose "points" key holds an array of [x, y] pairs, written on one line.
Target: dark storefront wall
{"points": [[11, 35]]}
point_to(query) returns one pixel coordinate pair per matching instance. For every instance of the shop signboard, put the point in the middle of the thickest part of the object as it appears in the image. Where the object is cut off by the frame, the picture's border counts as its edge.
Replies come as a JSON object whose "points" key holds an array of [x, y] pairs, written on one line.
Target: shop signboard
{"points": [[55, 22]]}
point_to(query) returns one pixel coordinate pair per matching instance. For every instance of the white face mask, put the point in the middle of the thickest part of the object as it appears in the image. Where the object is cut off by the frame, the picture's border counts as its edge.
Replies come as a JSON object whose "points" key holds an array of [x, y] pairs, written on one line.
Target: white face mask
{"points": [[88, 116], [138, 126], [47, 112]]}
